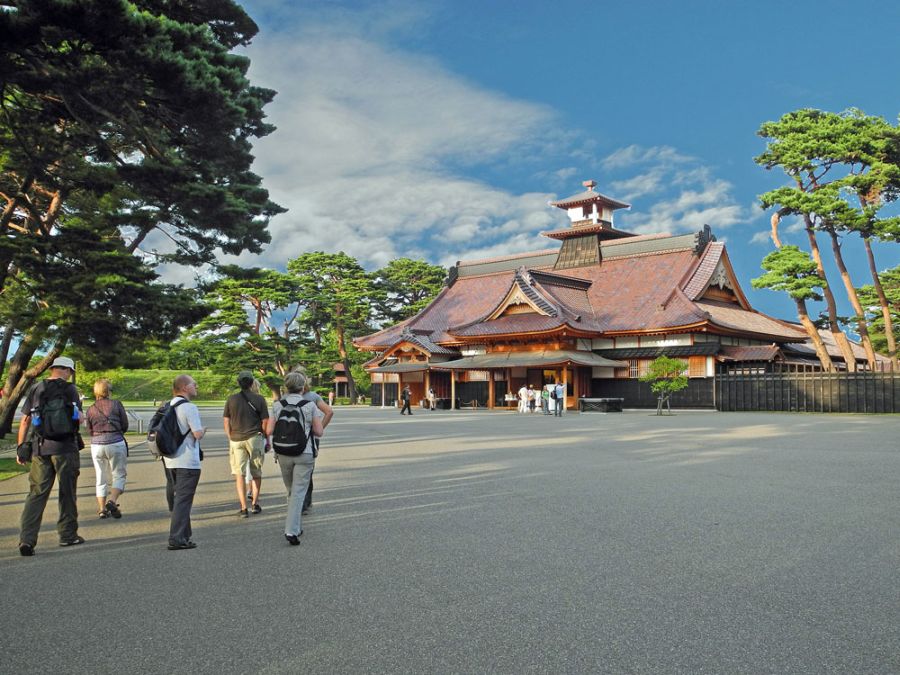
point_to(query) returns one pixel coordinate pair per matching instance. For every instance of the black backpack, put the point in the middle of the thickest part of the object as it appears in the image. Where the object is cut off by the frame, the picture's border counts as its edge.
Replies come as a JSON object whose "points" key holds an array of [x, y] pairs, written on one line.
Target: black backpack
{"points": [[164, 436], [56, 416], [289, 437]]}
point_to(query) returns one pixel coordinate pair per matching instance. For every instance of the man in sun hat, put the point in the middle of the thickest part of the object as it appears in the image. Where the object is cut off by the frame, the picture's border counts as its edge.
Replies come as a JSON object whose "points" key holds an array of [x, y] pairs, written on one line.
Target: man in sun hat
{"points": [[52, 411], [244, 420]]}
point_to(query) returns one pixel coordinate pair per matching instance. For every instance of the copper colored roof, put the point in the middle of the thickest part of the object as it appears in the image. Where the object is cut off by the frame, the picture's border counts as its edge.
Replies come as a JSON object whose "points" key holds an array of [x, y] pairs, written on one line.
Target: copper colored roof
{"points": [[749, 353], [642, 285], [547, 357], [589, 196], [605, 229]]}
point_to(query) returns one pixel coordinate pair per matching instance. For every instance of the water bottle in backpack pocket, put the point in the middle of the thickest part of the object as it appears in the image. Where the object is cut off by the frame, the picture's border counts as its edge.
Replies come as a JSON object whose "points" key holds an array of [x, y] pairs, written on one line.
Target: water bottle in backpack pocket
{"points": [[53, 417]]}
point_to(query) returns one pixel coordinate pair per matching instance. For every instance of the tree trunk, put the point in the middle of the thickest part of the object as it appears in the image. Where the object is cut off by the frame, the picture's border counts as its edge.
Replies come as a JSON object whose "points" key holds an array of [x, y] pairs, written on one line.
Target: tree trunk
{"points": [[20, 377], [812, 331], [342, 350], [834, 325], [885, 305], [862, 326], [4, 348]]}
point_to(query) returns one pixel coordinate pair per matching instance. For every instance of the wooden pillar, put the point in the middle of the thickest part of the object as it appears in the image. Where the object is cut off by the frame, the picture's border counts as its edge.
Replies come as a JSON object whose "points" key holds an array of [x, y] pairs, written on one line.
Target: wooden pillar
{"points": [[382, 391], [490, 404], [565, 381], [452, 390]]}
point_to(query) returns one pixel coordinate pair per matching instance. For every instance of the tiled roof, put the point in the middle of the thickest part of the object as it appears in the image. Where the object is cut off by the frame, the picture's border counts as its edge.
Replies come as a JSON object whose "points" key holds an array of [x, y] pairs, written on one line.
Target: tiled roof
{"points": [[734, 318], [749, 353], [590, 196], [708, 263], [636, 288], [699, 349], [511, 323], [603, 228]]}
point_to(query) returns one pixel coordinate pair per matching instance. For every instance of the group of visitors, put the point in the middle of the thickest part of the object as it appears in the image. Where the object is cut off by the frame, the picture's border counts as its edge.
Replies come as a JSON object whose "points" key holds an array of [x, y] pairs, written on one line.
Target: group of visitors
{"points": [[49, 437], [552, 398]]}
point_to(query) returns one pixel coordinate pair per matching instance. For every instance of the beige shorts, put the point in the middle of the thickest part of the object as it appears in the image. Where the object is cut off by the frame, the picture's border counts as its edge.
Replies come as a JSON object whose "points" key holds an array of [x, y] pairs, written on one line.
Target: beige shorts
{"points": [[242, 453]]}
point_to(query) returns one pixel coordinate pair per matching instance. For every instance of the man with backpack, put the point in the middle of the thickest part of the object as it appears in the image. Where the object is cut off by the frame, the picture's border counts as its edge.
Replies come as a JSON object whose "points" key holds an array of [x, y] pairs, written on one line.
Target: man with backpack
{"points": [[183, 467], [292, 426], [245, 421], [52, 411]]}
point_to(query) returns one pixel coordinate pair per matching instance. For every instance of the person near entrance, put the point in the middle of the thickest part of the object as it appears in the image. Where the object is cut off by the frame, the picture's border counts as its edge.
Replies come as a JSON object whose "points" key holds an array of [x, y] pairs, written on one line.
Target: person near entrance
{"points": [[405, 397], [523, 399], [560, 392]]}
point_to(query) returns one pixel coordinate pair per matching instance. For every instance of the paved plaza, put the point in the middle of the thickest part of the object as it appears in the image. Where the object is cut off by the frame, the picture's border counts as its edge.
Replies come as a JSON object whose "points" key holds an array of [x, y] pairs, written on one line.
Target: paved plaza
{"points": [[490, 542]]}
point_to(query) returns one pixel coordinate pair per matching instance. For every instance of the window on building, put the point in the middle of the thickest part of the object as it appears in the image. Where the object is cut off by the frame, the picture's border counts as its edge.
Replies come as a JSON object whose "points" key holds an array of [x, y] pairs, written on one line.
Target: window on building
{"points": [[696, 366]]}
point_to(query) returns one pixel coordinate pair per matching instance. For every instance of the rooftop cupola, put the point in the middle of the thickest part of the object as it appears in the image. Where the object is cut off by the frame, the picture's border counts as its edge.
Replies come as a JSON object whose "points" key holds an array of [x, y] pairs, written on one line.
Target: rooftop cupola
{"points": [[591, 207], [591, 216]]}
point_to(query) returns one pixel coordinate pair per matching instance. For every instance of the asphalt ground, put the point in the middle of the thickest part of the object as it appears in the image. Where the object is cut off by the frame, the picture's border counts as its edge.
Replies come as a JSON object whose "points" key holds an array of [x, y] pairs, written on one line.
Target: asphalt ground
{"points": [[475, 542]]}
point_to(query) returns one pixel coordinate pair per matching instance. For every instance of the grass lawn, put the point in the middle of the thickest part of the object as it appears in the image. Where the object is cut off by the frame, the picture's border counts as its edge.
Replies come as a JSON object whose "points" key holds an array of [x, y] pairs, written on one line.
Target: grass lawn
{"points": [[9, 468]]}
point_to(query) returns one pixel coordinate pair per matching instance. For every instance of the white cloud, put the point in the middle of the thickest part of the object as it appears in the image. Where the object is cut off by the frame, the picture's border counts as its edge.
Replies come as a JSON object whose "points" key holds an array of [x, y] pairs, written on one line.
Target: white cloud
{"points": [[670, 192], [372, 151]]}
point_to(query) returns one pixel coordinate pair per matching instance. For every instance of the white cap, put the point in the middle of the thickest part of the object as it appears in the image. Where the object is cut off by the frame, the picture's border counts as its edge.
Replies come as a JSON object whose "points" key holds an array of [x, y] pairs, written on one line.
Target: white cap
{"points": [[63, 362]]}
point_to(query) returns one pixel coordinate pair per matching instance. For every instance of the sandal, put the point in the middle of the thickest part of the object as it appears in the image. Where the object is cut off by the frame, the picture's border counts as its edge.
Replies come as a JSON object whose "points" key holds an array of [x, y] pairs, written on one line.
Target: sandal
{"points": [[103, 514], [113, 509]]}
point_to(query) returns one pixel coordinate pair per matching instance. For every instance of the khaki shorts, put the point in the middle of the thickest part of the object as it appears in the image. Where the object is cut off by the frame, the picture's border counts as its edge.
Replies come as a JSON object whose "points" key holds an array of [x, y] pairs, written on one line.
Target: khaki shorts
{"points": [[242, 453]]}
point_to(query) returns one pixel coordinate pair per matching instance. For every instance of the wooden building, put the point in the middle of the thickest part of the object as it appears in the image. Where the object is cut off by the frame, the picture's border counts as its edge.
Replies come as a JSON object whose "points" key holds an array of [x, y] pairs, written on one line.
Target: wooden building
{"points": [[592, 313]]}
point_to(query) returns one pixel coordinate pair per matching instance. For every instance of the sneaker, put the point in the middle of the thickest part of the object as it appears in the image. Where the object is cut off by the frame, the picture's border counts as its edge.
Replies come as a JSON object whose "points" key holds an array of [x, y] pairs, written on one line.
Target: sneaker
{"points": [[74, 541], [26, 549], [256, 508], [113, 509], [244, 513], [294, 539], [182, 547]]}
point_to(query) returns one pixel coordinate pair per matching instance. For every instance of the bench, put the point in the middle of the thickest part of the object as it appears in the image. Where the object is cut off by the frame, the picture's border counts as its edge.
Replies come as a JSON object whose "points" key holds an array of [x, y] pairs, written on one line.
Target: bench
{"points": [[600, 404]]}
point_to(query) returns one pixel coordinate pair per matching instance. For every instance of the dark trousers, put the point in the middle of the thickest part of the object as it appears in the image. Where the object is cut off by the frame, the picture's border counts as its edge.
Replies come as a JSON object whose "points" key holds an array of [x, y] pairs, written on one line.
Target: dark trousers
{"points": [[44, 470], [405, 407], [185, 481], [170, 487]]}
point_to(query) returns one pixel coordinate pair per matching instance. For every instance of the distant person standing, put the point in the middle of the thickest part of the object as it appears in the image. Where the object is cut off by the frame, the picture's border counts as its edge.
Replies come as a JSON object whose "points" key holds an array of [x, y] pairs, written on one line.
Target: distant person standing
{"points": [[523, 399], [532, 398], [405, 396], [431, 398], [560, 392], [244, 420], [184, 465], [107, 423], [331, 397], [545, 399], [52, 409]]}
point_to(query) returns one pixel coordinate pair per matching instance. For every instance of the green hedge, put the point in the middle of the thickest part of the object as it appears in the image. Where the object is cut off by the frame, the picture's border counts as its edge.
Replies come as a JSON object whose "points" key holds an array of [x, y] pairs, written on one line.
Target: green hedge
{"points": [[148, 385]]}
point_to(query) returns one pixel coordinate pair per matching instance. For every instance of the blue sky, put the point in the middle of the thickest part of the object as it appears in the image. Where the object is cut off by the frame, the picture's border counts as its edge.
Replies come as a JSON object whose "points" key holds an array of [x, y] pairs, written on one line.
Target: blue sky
{"points": [[440, 129]]}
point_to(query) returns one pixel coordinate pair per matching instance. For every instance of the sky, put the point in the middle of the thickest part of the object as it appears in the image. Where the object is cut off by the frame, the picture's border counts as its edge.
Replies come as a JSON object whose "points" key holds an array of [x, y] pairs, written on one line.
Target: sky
{"points": [[440, 129]]}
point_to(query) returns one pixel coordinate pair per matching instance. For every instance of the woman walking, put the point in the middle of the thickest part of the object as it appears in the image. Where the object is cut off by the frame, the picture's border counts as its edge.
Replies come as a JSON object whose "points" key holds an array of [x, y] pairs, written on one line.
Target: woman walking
{"points": [[107, 423], [291, 428]]}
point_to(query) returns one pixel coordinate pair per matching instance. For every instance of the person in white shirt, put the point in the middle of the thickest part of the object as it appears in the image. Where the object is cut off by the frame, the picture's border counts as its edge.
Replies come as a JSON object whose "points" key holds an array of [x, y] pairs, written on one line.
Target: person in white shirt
{"points": [[523, 399], [184, 465], [296, 469]]}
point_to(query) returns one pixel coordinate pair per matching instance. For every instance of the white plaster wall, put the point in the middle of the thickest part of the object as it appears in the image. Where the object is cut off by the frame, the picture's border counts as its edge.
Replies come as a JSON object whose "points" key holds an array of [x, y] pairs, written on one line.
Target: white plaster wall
{"points": [[665, 340], [583, 345], [472, 350], [626, 342], [603, 343]]}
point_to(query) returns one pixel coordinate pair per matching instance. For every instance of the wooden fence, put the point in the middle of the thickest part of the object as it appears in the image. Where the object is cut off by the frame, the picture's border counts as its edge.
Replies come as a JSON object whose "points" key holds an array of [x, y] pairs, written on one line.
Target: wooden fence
{"points": [[810, 392]]}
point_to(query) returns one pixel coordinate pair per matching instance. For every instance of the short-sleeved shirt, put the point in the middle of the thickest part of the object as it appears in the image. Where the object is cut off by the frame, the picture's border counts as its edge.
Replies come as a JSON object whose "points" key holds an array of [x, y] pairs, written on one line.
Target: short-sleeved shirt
{"points": [[47, 446], [243, 421], [308, 411], [188, 455], [106, 421]]}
